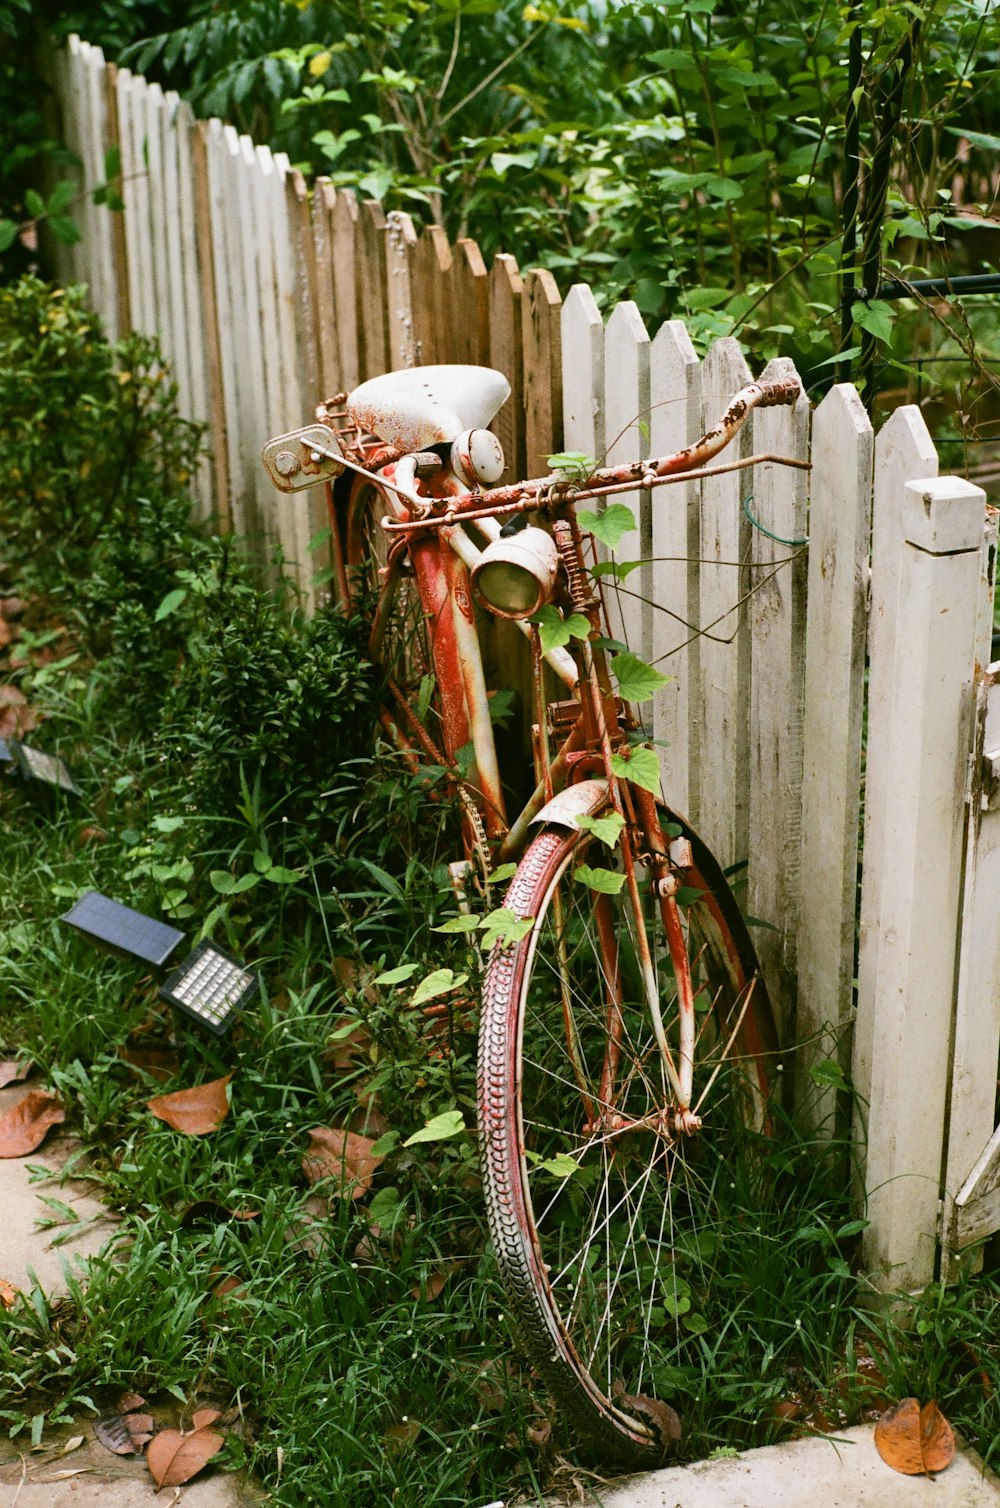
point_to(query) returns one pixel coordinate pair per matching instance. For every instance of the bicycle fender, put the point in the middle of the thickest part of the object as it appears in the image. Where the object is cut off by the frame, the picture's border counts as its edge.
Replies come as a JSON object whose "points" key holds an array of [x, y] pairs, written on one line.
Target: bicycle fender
{"points": [[583, 799]]}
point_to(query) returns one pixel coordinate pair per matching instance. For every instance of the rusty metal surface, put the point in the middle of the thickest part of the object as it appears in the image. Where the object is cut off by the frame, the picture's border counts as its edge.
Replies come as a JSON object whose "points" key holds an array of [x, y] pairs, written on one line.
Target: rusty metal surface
{"points": [[425, 406]]}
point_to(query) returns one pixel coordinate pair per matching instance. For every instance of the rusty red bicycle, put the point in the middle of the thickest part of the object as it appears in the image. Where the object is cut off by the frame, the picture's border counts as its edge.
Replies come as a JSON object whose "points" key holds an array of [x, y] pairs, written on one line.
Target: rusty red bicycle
{"points": [[627, 1052]]}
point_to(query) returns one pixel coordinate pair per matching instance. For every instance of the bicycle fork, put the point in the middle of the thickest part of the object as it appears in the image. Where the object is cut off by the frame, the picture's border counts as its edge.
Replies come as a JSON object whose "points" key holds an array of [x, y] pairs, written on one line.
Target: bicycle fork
{"points": [[599, 709]]}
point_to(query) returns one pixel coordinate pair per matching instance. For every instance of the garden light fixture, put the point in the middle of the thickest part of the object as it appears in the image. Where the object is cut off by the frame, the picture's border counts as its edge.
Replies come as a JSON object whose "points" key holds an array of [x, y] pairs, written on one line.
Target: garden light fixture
{"points": [[122, 930], [211, 986], [34, 764]]}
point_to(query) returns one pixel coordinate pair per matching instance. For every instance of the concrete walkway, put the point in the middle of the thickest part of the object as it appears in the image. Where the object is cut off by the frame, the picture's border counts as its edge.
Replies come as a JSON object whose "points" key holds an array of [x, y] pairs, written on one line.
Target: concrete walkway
{"points": [[89, 1476], [836, 1471]]}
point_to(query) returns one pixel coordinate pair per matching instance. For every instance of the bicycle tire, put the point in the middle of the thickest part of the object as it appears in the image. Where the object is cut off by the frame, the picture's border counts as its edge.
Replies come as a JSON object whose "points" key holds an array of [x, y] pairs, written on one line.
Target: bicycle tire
{"points": [[598, 1318]]}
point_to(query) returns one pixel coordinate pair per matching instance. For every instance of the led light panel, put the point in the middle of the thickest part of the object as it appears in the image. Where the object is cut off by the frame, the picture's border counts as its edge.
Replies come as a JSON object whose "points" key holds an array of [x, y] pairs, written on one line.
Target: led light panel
{"points": [[211, 986], [36, 765], [123, 930]]}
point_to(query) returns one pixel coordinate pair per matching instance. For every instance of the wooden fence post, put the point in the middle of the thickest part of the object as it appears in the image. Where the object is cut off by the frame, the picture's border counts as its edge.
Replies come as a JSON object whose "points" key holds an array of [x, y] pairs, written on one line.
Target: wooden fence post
{"points": [[432, 304], [542, 370], [920, 868], [206, 230], [626, 408], [582, 338], [345, 241], [777, 619], [400, 251], [903, 450], [675, 421], [506, 355], [371, 280], [724, 725], [833, 700]]}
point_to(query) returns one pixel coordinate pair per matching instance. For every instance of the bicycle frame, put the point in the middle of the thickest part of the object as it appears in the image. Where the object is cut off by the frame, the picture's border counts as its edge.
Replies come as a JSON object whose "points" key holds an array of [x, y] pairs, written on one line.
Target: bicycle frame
{"points": [[427, 525]]}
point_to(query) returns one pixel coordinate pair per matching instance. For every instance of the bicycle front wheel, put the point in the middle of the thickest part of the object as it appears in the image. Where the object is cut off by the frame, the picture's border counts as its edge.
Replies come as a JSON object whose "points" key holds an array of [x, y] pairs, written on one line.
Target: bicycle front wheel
{"points": [[607, 1220]]}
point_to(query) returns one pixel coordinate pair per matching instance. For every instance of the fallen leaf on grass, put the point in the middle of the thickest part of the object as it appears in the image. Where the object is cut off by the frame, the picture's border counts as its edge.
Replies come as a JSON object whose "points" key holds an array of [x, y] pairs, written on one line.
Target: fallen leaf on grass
{"points": [[174, 1459], [8, 1294], [16, 717], [916, 1441], [202, 1418], [195, 1111], [343, 1155], [129, 1402], [160, 1062], [27, 1123], [13, 1072], [399, 1437], [210, 1211]]}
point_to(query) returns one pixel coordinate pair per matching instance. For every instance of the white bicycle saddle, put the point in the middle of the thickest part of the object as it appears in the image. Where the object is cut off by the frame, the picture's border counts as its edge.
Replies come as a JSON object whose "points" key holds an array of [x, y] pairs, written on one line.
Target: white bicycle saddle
{"points": [[423, 406]]}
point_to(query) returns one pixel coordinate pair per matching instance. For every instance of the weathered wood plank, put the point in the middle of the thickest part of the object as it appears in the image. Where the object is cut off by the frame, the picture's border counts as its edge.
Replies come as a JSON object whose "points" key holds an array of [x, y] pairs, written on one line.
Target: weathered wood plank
{"points": [[135, 192], [839, 522], [226, 278], [582, 338], [432, 302], [97, 223], [921, 869], [345, 232], [173, 251], [903, 450], [198, 320], [119, 246], [972, 1106], [540, 305], [323, 200], [371, 282], [207, 231], [723, 726], [506, 355], [158, 228], [777, 616], [305, 523], [471, 294], [400, 252], [675, 421], [626, 415]]}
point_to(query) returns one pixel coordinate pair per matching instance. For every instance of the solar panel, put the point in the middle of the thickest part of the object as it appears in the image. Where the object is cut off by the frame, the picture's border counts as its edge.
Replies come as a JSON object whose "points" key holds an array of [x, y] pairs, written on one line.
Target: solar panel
{"points": [[123, 930]]}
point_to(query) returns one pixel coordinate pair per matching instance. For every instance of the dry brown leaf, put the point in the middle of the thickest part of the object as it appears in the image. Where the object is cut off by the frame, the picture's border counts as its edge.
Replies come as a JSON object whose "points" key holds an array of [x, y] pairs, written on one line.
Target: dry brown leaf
{"points": [[124, 1434], [8, 1294], [27, 1123], [16, 717], [210, 1211], [129, 1402], [14, 1072], [344, 1156], [174, 1459], [913, 1440], [202, 1418], [194, 1112]]}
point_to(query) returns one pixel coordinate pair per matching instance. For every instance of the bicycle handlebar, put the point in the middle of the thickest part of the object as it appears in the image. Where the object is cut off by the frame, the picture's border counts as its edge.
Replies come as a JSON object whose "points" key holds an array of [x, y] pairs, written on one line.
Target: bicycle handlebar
{"points": [[646, 474]]}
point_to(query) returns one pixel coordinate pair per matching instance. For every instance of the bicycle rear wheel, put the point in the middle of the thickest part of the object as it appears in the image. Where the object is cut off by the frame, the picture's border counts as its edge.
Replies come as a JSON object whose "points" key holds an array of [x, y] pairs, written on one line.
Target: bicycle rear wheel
{"points": [[606, 1222]]}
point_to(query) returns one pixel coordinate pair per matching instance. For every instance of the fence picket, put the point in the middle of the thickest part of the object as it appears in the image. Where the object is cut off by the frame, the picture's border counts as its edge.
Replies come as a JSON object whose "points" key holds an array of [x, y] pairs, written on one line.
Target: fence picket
{"points": [[920, 864], [345, 240], [471, 302], [506, 355], [135, 192], [97, 218], [777, 616], [432, 310], [173, 250], [540, 306], [626, 431], [675, 421], [291, 242], [370, 271], [582, 337], [324, 198], [839, 520], [401, 245], [119, 251], [207, 228], [723, 727], [903, 449]]}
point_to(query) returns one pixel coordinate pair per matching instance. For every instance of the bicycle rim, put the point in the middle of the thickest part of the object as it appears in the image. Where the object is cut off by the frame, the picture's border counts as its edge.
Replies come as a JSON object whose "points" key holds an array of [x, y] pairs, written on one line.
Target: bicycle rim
{"points": [[607, 1239]]}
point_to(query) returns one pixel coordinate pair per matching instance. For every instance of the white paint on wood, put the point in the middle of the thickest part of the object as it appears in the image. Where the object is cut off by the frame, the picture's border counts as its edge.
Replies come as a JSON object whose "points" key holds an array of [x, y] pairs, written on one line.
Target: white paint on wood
{"points": [[675, 421], [225, 268], [723, 728], [158, 229], [972, 1112], [135, 176], [626, 430], [583, 373], [345, 233], [197, 323], [920, 865], [295, 403], [839, 524], [903, 451], [977, 1207], [97, 218], [241, 337], [401, 241], [776, 612], [170, 194]]}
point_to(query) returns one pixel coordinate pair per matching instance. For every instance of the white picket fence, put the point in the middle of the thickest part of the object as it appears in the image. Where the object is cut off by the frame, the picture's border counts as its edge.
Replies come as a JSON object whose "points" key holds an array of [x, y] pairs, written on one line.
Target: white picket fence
{"points": [[267, 298]]}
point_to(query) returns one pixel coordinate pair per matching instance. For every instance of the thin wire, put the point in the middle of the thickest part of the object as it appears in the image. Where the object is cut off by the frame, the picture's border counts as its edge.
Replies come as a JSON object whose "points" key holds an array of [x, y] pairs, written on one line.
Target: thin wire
{"points": [[759, 526], [703, 633]]}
